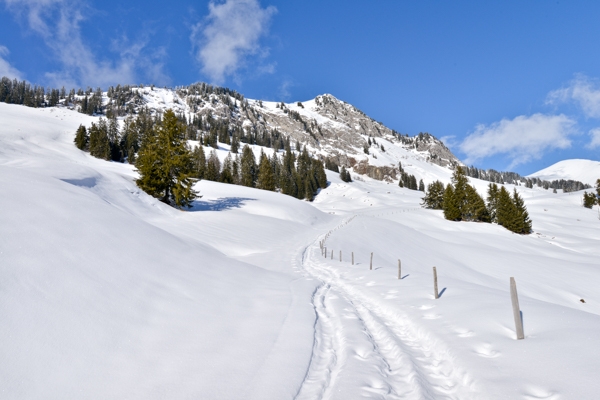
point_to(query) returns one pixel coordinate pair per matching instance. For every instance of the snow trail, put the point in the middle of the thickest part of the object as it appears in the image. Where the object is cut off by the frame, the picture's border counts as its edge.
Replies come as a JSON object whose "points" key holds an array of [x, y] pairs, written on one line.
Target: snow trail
{"points": [[363, 345]]}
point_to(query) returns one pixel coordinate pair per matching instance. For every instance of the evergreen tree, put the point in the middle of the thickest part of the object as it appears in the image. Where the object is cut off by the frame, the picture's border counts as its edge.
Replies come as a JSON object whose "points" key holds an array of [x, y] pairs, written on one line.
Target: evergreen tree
{"points": [[198, 162], [434, 196], [99, 143], [522, 223], [82, 138], [114, 139], [460, 183], [320, 174], [227, 171], [589, 199], [266, 180], [421, 185], [248, 168], [492, 201], [475, 209], [213, 167], [506, 211], [598, 188], [345, 175], [451, 209], [165, 164]]}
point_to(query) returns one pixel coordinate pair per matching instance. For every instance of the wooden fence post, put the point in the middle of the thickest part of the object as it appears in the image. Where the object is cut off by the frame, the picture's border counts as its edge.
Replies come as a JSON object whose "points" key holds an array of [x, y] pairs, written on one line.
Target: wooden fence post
{"points": [[399, 270], [340, 256], [516, 309], [332, 254], [325, 252], [352, 258], [371, 265], [435, 286]]}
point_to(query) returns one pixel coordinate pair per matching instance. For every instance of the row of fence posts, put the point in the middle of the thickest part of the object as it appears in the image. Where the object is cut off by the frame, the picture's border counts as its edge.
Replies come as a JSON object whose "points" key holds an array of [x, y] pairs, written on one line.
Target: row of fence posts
{"points": [[513, 289]]}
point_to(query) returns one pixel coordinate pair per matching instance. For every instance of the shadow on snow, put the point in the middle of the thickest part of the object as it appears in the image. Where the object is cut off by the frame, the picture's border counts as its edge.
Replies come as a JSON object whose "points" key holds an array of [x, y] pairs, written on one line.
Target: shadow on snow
{"points": [[221, 204]]}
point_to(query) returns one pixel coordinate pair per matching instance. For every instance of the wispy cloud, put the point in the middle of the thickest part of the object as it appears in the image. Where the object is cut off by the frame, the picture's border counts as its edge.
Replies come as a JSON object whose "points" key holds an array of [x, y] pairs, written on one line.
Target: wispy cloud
{"points": [[58, 24], [229, 34], [595, 139], [522, 139], [5, 68], [582, 90]]}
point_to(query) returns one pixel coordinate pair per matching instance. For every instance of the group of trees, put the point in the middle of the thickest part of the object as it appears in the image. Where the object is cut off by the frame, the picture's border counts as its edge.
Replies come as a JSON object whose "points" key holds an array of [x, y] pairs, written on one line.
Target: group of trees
{"points": [[461, 202], [409, 181], [300, 176], [516, 179], [168, 167], [591, 199], [108, 141]]}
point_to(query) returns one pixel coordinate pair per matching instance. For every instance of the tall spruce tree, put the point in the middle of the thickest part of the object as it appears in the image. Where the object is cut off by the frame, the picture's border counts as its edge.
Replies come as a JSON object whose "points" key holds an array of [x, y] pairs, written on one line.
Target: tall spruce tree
{"points": [[451, 210], [82, 138], [248, 168], [165, 164], [198, 162], [213, 167], [589, 199], [492, 201], [522, 223], [506, 211], [266, 179], [434, 196]]}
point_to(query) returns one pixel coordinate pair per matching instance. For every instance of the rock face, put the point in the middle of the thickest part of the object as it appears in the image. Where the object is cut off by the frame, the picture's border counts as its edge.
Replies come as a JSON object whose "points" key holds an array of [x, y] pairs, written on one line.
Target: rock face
{"points": [[329, 127]]}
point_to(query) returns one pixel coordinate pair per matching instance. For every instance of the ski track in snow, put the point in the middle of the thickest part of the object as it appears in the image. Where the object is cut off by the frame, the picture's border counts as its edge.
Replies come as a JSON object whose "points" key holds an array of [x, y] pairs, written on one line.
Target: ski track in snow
{"points": [[362, 345]]}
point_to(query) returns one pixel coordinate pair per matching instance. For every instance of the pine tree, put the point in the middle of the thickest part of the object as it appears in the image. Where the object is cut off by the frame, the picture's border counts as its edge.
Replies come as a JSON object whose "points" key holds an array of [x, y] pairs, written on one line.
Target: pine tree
{"points": [[460, 183], [506, 211], [421, 185], [434, 196], [266, 180], [522, 222], [492, 201], [248, 168], [475, 209], [213, 167], [198, 162], [227, 171], [345, 175], [165, 164], [82, 138], [589, 199], [451, 210]]}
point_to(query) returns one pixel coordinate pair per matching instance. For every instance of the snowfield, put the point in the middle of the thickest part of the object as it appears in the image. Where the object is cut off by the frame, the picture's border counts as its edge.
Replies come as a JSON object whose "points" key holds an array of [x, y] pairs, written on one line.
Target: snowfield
{"points": [[106, 293]]}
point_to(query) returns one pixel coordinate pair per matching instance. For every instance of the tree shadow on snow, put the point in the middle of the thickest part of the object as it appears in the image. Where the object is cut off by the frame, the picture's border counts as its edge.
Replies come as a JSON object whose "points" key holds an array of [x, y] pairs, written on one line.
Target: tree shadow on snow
{"points": [[220, 204]]}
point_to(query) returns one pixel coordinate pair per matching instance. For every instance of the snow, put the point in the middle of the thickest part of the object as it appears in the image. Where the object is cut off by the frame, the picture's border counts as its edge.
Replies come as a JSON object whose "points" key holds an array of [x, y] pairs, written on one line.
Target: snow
{"points": [[107, 293], [586, 171]]}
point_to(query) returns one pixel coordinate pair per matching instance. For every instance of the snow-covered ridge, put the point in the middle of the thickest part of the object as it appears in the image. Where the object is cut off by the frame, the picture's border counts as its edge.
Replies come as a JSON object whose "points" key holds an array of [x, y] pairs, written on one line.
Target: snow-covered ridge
{"points": [[586, 171]]}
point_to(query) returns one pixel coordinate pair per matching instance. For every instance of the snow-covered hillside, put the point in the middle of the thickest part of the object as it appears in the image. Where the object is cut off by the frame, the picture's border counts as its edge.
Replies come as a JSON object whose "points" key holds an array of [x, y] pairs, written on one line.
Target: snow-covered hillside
{"points": [[586, 171], [107, 293]]}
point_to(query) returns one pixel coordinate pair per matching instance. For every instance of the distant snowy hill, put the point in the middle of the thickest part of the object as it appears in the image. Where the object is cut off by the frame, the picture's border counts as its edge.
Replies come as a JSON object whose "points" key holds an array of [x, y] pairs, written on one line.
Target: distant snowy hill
{"points": [[586, 171]]}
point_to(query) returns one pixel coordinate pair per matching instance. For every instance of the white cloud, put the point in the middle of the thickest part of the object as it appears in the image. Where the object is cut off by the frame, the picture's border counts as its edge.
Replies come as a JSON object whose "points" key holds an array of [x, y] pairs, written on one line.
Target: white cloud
{"points": [[230, 33], [522, 139], [595, 142], [581, 90], [58, 23], [5, 68]]}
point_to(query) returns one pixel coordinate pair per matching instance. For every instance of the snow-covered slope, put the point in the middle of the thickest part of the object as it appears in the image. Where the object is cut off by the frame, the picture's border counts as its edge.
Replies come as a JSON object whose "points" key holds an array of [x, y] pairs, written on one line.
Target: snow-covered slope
{"points": [[586, 171], [107, 293]]}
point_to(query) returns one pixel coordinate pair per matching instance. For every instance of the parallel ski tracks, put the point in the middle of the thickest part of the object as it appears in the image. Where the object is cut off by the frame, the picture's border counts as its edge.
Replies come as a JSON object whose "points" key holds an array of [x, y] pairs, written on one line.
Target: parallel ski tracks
{"points": [[368, 348]]}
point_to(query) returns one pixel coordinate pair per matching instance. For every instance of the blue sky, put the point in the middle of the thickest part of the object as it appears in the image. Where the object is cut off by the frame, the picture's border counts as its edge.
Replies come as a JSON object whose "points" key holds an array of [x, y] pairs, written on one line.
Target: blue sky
{"points": [[511, 86]]}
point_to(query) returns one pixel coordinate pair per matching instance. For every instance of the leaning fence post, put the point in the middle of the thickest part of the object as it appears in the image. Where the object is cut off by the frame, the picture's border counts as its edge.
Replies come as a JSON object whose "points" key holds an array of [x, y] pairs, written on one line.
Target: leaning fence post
{"points": [[332, 254], [399, 270], [516, 309], [325, 252], [371, 265], [340, 256], [352, 258], [435, 286]]}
